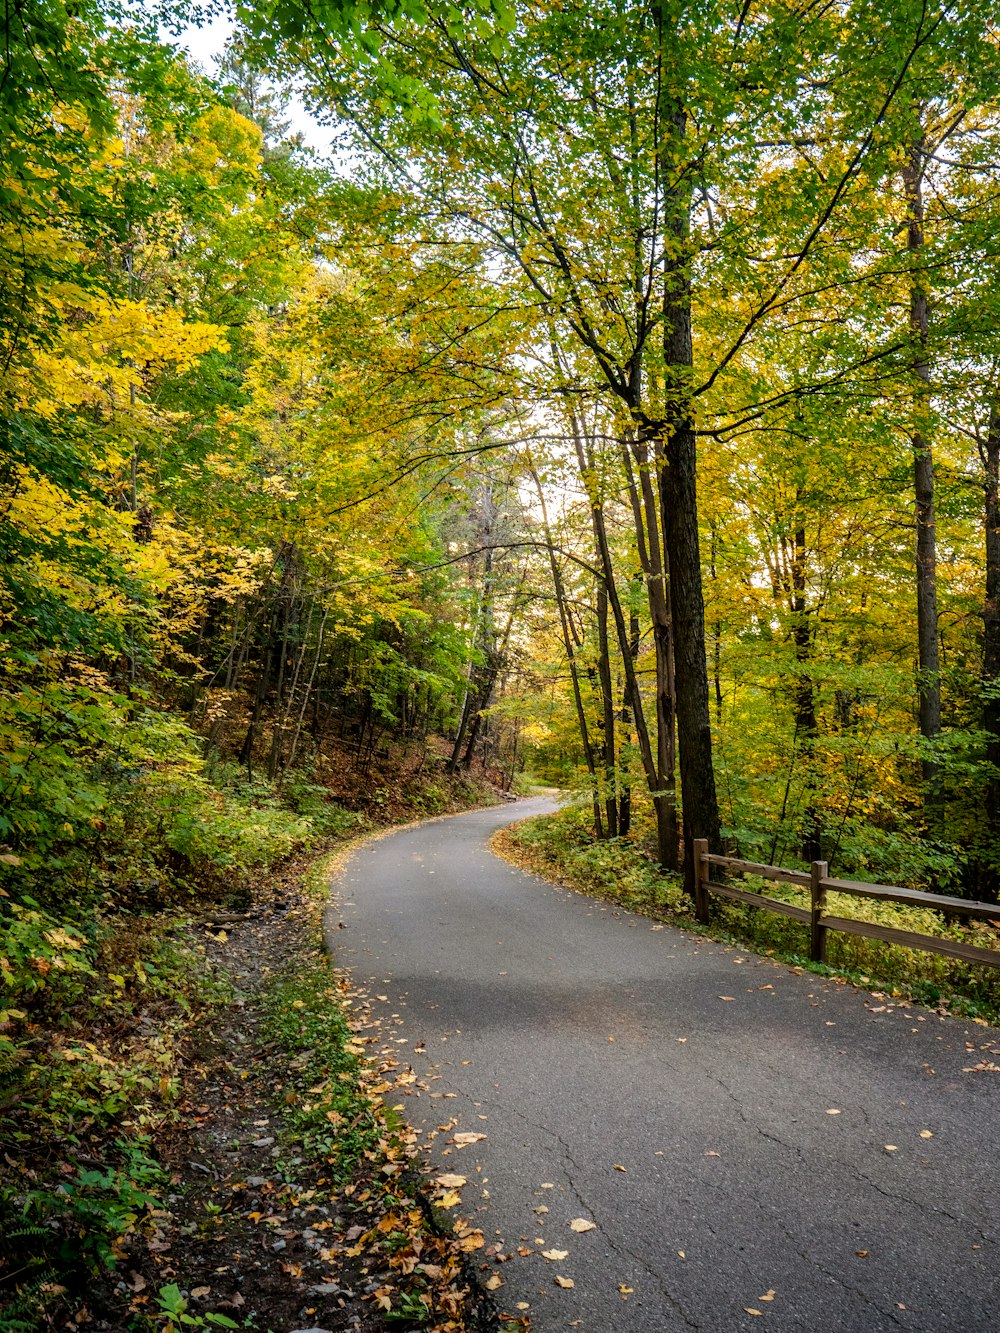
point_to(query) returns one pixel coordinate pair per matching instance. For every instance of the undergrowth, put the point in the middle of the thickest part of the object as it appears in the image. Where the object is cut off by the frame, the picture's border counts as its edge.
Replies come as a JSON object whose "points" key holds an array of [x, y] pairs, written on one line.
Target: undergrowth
{"points": [[328, 1117], [101, 989]]}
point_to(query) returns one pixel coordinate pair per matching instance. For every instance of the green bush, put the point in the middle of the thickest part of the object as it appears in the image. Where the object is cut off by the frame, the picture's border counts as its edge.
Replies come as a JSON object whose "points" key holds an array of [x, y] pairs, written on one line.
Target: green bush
{"points": [[613, 868]]}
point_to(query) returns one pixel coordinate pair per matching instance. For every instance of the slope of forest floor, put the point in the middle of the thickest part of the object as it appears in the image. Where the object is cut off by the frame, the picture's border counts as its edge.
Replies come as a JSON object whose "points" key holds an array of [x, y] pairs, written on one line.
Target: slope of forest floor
{"points": [[239, 1166], [295, 1202]]}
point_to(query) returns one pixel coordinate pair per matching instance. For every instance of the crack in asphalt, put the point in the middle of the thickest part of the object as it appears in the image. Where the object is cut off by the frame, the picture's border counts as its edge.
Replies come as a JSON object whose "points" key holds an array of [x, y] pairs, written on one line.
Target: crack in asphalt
{"points": [[585, 1206], [922, 1207]]}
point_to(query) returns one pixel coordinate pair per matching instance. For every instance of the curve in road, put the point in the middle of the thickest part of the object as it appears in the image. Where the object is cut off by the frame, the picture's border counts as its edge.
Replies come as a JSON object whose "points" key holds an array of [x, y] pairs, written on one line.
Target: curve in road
{"points": [[759, 1149]]}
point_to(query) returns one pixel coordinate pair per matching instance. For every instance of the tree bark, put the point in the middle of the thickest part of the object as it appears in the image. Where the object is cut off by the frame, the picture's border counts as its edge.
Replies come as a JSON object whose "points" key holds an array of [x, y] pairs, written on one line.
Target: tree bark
{"points": [[679, 507], [806, 723], [607, 711], [569, 647], [928, 659], [991, 632], [652, 559]]}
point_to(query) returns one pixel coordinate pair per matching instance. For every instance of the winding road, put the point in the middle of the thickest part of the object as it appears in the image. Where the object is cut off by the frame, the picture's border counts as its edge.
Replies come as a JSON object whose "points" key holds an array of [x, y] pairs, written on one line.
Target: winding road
{"points": [[758, 1148]]}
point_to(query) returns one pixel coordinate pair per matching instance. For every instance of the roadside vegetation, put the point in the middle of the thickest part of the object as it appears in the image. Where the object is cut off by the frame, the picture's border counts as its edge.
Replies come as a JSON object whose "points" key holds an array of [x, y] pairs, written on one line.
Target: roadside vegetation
{"points": [[124, 1033]]}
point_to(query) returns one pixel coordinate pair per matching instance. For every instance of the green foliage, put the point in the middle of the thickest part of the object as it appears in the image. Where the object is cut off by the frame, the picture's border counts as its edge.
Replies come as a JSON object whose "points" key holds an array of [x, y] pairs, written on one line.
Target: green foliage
{"points": [[330, 1117], [613, 868], [37, 952], [174, 1312], [326, 819]]}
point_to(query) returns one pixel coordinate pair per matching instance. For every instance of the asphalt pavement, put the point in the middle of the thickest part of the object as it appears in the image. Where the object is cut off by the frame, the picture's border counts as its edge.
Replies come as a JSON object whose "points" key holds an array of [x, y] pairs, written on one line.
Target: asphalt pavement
{"points": [[760, 1149]]}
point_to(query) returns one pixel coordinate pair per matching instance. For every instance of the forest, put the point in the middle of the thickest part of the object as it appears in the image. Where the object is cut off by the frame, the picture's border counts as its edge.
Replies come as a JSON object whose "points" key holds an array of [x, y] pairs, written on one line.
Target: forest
{"points": [[616, 407]]}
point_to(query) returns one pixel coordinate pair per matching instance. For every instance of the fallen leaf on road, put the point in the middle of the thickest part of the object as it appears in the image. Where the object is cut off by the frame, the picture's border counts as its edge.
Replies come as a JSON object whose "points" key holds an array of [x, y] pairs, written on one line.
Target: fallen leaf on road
{"points": [[522, 1305], [616, 1167], [833, 1111], [451, 1182], [891, 1147], [926, 1134], [581, 1224], [449, 1200], [540, 1209], [494, 1282], [712, 1154], [566, 1282], [749, 1310], [462, 1140], [555, 1254], [474, 1241], [861, 1254], [727, 997], [626, 1291], [681, 1254], [768, 1297]]}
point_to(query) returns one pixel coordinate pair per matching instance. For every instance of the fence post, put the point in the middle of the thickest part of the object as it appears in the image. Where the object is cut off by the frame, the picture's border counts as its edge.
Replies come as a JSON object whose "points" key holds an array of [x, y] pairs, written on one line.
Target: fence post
{"points": [[818, 871], [701, 876]]}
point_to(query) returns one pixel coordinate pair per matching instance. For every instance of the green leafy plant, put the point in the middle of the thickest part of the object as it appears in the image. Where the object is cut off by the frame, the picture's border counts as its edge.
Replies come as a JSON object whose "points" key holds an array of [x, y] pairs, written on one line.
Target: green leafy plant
{"points": [[174, 1312]]}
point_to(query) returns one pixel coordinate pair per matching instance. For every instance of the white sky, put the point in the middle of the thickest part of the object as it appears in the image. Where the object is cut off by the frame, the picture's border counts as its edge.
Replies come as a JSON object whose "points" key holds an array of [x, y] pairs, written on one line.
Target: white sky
{"points": [[205, 42]]}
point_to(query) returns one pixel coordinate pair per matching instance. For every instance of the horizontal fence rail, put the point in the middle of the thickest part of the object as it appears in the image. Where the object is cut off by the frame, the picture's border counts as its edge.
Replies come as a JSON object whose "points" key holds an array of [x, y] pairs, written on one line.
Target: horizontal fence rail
{"points": [[817, 880]]}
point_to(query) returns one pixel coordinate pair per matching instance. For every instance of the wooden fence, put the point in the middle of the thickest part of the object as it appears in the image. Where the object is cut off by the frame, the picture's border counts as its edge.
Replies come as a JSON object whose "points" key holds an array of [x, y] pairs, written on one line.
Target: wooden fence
{"points": [[815, 916]]}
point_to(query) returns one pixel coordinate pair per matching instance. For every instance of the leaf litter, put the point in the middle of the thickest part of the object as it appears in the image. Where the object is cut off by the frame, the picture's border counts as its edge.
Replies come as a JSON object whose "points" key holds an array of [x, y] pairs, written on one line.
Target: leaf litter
{"points": [[255, 1231]]}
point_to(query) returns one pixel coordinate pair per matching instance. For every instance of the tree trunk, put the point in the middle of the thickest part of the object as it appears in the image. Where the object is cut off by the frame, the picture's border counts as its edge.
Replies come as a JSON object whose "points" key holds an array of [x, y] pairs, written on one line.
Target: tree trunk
{"points": [[607, 711], [928, 660], [806, 725], [569, 647], [991, 635], [679, 506], [653, 561]]}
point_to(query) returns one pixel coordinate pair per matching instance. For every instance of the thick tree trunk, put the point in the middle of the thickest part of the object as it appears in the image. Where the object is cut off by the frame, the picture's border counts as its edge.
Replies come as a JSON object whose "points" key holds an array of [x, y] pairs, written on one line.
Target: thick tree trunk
{"points": [[679, 507], [991, 635], [928, 660], [700, 809]]}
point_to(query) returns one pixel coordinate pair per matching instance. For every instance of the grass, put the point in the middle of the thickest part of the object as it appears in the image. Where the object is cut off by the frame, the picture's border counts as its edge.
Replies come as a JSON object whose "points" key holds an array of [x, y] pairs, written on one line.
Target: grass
{"points": [[329, 1115]]}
